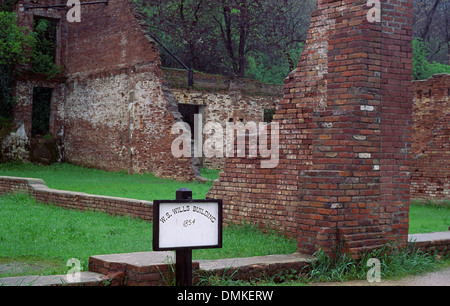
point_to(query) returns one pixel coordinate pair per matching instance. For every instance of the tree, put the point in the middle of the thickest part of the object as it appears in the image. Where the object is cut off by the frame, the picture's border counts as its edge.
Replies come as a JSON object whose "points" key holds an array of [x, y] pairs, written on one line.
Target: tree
{"points": [[284, 34], [239, 29], [15, 43], [432, 25], [231, 37], [44, 52], [185, 27], [7, 5], [422, 68]]}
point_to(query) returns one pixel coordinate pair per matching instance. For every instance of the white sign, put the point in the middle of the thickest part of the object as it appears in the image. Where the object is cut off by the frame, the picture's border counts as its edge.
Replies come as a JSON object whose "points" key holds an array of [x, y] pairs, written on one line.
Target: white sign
{"points": [[190, 224]]}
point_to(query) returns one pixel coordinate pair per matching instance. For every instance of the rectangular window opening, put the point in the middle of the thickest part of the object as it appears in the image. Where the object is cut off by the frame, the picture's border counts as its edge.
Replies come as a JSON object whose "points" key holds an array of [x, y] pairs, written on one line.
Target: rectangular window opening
{"points": [[44, 53]]}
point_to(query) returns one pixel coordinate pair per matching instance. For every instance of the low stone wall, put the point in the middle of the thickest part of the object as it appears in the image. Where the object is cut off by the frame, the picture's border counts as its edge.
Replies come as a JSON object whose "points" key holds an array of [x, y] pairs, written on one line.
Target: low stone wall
{"points": [[77, 200], [441, 247], [432, 243]]}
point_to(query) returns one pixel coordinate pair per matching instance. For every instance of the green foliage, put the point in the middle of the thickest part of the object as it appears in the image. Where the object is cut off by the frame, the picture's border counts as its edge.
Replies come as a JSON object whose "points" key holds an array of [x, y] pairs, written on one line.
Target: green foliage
{"points": [[15, 46], [43, 59], [423, 69], [15, 42], [270, 69], [7, 5]]}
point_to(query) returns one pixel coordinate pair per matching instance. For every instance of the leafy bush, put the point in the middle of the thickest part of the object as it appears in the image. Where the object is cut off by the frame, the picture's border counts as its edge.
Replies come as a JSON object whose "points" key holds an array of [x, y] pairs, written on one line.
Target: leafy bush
{"points": [[423, 69], [15, 42], [267, 69]]}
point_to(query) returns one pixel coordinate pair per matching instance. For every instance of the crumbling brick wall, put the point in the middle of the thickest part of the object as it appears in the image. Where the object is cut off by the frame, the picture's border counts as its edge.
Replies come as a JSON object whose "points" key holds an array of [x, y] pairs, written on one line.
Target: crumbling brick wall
{"points": [[222, 100], [430, 173], [113, 110], [117, 109], [345, 121], [26, 80]]}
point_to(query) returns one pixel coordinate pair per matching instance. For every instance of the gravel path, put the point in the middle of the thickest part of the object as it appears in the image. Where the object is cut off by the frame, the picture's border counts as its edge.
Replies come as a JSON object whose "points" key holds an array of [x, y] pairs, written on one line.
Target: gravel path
{"points": [[438, 278]]}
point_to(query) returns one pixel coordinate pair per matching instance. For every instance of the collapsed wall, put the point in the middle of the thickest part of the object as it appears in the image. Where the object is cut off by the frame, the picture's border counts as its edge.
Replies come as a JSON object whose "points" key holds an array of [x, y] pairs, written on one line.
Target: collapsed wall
{"points": [[345, 125]]}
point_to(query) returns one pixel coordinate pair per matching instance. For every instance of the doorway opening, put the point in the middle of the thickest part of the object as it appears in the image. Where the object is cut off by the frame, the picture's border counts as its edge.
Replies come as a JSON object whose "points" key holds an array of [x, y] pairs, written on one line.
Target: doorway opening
{"points": [[40, 123], [188, 112]]}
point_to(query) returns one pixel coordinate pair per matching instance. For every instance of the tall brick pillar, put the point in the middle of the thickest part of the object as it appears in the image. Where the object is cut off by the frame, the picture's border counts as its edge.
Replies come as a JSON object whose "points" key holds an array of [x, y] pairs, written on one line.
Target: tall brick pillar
{"points": [[345, 121], [356, 191]]}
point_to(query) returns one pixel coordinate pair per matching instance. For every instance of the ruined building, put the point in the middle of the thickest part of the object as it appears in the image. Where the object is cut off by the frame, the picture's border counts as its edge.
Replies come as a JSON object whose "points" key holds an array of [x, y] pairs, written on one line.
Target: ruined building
{"points": [[357, 138], [343, 177], [111, 107]]}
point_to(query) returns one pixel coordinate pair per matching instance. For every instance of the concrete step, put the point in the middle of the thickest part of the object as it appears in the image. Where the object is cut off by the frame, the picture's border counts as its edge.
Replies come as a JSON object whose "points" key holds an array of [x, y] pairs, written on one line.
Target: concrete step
{"points": [[85, 279]]}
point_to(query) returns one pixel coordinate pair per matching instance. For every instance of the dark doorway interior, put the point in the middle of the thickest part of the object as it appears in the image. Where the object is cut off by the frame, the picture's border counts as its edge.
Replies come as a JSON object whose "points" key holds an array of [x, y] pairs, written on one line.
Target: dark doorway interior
{"points": [[188, 111], [40, 124]]}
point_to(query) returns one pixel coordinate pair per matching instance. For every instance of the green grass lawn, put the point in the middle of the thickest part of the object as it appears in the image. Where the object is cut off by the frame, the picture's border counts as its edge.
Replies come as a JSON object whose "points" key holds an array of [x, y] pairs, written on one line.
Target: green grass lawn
{"points": [[429, 218], [423, 218], [32, 232], [117, 184]]}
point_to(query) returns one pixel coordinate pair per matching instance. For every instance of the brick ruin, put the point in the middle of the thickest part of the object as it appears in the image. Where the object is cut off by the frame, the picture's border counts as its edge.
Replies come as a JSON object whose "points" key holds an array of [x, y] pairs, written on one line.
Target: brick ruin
{"points": [[345, 134], [220, 99], [105, 105], [430, 171], [112, 107]]}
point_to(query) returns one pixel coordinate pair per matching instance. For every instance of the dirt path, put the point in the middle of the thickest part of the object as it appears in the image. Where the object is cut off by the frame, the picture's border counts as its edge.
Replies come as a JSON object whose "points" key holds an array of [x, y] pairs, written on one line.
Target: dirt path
{"points": [[438, 278]]}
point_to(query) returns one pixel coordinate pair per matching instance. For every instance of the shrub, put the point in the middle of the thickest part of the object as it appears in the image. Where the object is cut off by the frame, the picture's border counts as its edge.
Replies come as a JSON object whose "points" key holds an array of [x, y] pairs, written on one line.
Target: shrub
{"points": [[423, 69]]}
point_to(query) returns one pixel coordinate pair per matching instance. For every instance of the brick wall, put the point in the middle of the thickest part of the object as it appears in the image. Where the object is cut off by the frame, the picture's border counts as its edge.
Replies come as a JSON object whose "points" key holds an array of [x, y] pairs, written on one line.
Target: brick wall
{"points": [[77, 200], [113, 110], [441, 247], [430, 174], [117, 108], [345, 125], [26, 81], [396, 119]]}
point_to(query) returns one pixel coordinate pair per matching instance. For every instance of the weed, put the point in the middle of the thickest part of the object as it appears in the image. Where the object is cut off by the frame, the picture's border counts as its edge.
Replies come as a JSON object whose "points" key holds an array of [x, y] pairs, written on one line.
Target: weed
{"points": [[395, 262]]}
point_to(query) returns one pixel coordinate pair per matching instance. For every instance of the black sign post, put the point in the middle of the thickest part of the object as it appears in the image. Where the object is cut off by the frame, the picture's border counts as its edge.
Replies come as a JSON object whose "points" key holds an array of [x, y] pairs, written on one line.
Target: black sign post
{"points": [[185, 224], [183, 267]]}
